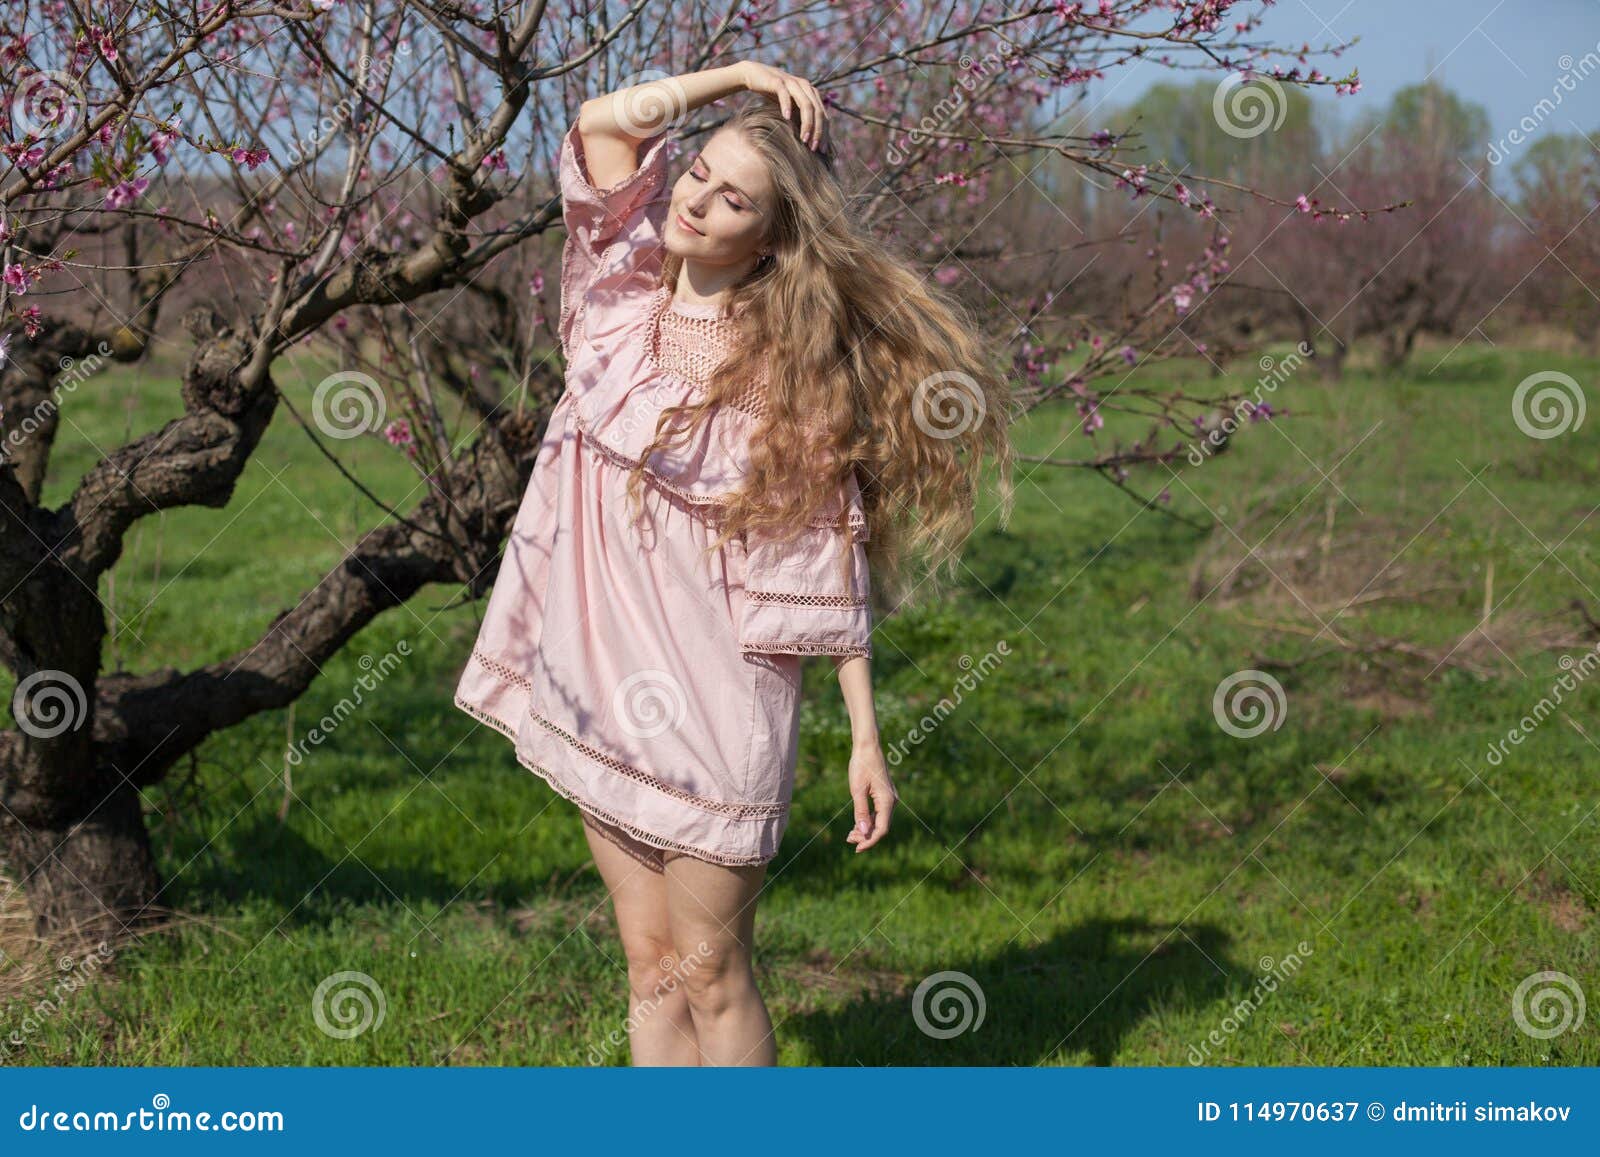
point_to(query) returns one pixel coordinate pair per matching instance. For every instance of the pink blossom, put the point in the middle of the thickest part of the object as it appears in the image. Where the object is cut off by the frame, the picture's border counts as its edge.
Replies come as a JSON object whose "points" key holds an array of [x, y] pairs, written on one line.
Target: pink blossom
{"points": [[126, 193], [17, 279], [160, 140], [249, 158]]}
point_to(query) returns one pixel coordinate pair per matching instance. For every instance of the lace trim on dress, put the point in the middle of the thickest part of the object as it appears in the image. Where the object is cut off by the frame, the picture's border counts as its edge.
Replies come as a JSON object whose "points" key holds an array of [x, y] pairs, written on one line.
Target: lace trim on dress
{"points": [[797, 599], [690, 346], [616, 821], [808, 648], [733, 809]]}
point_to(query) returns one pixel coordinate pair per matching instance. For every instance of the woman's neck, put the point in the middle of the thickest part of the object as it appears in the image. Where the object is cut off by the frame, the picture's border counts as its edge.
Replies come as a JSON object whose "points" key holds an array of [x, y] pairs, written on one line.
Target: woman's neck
{"points": [[705, 286]]}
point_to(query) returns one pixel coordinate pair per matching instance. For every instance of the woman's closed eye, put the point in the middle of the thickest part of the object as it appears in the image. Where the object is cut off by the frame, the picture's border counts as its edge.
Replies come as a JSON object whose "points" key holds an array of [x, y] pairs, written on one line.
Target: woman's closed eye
{"points": [[728, 197]]}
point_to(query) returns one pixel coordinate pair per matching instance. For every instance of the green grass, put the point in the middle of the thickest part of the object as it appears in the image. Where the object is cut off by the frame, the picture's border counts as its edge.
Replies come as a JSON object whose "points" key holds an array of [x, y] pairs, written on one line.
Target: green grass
{"points": [[1080, 837]]}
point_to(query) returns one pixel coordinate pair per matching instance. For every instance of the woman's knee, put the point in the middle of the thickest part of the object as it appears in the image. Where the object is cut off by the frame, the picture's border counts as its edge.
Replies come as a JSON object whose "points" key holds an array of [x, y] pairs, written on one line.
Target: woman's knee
{"points": [[714, 975], [653, 967]]}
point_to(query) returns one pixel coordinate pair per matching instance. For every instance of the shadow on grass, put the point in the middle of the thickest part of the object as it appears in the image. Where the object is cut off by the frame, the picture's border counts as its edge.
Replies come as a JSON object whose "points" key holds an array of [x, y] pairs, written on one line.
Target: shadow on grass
{"points": [[1084, 990]]}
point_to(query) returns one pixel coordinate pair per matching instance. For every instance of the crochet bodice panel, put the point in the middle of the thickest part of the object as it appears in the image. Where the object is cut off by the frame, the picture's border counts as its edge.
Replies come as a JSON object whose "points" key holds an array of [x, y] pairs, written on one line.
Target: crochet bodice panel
{"points": [[690, 341]]}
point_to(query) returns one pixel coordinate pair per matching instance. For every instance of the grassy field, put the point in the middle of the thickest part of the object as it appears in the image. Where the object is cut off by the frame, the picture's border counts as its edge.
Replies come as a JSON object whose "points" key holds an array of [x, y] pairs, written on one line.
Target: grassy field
{"points": [[1121, 879]]}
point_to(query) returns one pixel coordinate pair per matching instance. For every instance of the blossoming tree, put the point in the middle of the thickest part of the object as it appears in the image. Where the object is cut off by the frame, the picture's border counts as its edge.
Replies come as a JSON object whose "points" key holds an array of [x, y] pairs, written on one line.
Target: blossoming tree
{"points": [[231, 181]]}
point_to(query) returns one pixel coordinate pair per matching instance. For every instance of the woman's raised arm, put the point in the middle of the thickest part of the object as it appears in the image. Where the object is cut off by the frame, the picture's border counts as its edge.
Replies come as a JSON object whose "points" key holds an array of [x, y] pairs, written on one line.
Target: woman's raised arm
{"points": [[613, 125]]}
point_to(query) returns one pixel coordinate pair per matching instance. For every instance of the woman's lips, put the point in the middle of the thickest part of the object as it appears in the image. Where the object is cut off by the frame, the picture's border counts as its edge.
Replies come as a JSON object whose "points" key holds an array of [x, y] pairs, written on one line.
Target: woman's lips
{"points": [[685, 224]]}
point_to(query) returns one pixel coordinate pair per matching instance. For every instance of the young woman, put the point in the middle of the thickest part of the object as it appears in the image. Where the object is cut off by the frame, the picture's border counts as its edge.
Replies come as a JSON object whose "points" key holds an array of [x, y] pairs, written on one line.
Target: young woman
{"points": [[763, 405]]}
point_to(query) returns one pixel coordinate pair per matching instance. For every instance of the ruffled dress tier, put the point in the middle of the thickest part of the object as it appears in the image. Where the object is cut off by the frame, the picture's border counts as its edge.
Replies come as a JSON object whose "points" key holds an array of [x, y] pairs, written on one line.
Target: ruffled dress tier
{"points": [[650, 681]]}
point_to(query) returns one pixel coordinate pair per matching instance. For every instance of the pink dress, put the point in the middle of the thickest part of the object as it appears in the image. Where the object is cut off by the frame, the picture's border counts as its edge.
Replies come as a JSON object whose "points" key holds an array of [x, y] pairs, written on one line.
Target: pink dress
{"points": [[653, 685]]}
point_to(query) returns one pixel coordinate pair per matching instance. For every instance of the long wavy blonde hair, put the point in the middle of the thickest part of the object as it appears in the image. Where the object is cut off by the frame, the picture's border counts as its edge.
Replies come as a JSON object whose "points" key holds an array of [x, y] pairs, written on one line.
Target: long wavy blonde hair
{"points": [[869, 365]]}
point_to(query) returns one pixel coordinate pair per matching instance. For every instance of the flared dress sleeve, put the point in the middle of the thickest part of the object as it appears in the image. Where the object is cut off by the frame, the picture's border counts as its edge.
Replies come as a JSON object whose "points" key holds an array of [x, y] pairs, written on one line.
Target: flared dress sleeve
{"points": [[809, 595], [610, 228]]}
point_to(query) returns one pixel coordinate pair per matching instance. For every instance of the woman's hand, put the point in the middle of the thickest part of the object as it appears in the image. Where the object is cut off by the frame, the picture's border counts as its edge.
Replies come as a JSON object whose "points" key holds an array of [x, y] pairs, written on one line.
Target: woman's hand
{"points": [[869, 781], [790, 90]]}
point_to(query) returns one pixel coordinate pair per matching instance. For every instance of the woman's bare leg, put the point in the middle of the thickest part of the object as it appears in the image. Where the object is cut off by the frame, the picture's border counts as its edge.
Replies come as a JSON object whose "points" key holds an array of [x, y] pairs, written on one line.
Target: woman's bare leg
{"points": [[712, 911], [660, 1028]]}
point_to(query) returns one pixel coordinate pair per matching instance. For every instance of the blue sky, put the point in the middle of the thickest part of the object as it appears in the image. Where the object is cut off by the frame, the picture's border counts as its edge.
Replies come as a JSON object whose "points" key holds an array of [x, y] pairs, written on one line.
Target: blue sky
{"points": [[1505, 54]]}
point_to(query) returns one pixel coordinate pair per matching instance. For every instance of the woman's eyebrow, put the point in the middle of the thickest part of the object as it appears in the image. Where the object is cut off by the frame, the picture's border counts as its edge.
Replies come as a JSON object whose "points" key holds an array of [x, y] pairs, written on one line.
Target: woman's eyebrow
{"points": [[701, 158]]}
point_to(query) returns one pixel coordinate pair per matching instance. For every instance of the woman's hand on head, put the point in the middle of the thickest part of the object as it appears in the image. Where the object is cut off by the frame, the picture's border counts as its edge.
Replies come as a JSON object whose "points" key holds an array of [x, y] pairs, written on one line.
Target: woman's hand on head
{"points": [[792, 93], [869, 784]]}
